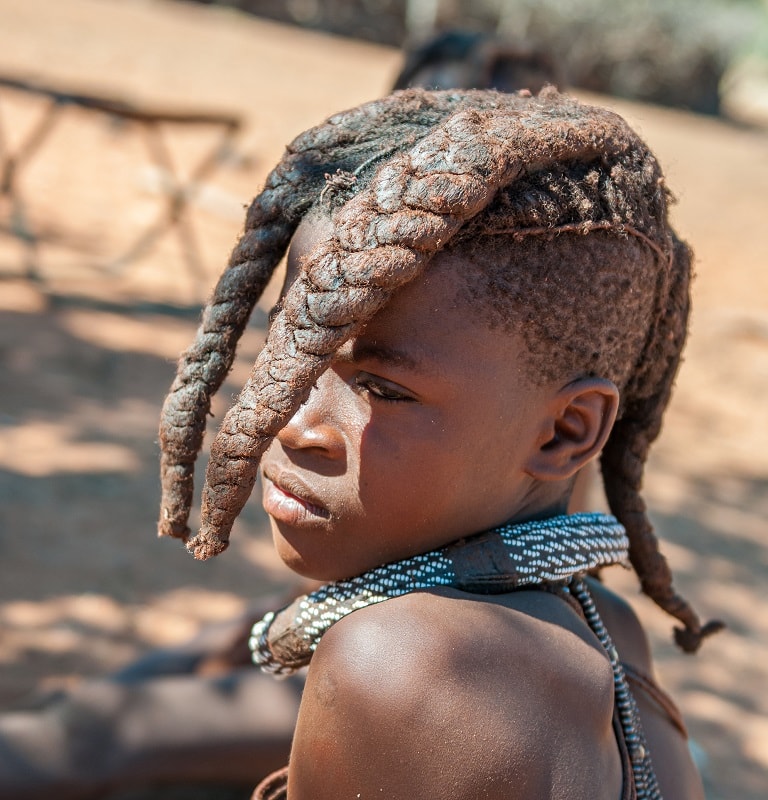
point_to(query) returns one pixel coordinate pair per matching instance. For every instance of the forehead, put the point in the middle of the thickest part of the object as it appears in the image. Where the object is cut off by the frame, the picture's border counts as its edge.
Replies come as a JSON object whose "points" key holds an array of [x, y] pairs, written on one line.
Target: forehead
{"points": [[431, 325]]}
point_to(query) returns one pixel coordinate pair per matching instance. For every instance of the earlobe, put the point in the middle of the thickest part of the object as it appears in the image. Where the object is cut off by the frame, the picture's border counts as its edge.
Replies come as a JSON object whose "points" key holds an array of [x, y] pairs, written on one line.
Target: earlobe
{"points": [[576, 428]]}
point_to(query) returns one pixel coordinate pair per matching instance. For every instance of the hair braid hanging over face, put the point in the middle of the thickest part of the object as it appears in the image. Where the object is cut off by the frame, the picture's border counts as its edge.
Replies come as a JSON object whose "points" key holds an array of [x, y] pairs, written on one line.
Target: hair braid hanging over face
{"points": [[271, 220], [422, 171]]}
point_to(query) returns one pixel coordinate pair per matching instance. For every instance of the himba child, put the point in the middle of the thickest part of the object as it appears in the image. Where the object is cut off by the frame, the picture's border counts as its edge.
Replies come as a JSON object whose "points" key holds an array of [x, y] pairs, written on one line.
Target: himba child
{"points": [[483, 294]]}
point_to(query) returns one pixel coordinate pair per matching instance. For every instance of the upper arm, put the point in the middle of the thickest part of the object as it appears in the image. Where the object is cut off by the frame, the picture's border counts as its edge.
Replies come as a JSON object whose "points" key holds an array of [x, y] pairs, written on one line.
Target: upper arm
{"points": [[363, 717], [402, 716]]}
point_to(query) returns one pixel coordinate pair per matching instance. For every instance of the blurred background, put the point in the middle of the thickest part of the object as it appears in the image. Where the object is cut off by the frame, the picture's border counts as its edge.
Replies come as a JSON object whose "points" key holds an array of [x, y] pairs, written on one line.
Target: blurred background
{"points": [[132, 136]]}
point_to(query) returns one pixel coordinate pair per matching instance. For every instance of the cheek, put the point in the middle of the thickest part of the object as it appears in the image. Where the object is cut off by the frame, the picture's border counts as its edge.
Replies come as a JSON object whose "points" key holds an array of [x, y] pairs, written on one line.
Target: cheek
{"points": [[413, 467], [399, 446], [482, 457]]}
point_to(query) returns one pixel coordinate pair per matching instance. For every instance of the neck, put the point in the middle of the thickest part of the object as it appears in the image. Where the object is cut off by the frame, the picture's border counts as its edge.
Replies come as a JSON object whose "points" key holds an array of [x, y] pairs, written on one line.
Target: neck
{"points": [[500, 560]]}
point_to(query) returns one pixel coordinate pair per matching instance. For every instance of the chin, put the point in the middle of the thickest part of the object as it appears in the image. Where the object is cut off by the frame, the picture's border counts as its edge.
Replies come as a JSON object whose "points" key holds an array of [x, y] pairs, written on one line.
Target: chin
{"points": [[314, 566]]}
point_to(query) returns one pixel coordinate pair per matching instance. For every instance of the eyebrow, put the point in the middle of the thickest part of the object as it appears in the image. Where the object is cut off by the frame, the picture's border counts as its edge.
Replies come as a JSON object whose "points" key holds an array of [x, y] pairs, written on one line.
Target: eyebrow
{"points": [[384, 354]]}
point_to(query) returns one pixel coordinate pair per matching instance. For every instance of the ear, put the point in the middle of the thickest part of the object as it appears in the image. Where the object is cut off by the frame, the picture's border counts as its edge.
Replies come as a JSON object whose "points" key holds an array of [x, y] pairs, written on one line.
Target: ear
{"points": [[575, 429]]}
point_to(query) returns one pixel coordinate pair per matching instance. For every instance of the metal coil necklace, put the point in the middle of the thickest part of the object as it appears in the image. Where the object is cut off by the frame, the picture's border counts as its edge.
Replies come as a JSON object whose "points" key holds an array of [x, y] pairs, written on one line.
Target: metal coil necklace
{"points": [[556, 550]]}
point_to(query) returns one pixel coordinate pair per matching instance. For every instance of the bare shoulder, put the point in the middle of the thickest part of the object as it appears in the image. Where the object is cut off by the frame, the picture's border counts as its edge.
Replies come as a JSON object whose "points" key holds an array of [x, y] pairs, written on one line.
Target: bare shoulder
{"points": [[476, 697]]}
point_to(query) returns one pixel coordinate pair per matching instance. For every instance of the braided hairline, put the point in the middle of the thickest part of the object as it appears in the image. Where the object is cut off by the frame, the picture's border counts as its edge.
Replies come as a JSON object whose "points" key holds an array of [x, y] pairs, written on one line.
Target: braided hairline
{"points": [[647, 393], [518, 234], [386, 234]]}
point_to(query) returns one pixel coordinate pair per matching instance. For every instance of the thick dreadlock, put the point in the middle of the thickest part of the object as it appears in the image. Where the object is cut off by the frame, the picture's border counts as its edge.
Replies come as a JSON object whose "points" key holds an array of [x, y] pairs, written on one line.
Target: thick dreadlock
{"points": [[415, 173]]}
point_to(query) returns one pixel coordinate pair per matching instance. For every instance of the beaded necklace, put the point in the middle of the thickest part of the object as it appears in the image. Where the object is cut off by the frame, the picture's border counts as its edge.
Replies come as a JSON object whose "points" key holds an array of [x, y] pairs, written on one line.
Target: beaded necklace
{"points": [[556, 550]]}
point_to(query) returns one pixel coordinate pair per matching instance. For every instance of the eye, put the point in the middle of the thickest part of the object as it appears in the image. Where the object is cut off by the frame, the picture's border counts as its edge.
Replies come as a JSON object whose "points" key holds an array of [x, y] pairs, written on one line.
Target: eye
{"points": [[381, 389]]}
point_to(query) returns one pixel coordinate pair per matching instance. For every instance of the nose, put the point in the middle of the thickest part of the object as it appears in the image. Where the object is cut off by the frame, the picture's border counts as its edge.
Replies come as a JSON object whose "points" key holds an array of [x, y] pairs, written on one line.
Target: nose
{"points": [[314, 426]]}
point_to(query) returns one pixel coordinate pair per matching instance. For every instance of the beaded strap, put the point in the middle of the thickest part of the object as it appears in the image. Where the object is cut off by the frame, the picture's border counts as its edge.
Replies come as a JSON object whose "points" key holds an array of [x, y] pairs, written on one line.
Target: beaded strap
{"points": [[629, 716]]}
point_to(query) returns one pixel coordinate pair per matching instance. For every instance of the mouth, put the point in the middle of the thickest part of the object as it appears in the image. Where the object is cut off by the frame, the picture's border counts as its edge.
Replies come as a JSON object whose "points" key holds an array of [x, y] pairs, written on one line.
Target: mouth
{"points": [[289, 500]]}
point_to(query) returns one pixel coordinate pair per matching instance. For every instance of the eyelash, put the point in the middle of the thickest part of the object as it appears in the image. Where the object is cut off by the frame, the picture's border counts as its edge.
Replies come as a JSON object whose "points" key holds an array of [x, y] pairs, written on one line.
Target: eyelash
{"points": [[380, 390]]}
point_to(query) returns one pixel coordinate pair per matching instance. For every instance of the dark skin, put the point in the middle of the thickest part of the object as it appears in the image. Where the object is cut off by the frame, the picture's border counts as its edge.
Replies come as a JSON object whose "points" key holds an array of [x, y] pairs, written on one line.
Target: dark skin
{"points": [[389, 434], [442, 693]]}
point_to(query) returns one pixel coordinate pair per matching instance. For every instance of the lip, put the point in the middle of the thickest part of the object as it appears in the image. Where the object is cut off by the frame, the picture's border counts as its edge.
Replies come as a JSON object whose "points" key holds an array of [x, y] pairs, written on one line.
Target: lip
{"points": [[289, 500]]}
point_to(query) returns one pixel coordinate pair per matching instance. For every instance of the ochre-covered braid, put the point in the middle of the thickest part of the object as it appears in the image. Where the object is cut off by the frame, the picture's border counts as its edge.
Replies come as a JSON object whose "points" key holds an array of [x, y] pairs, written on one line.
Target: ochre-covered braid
{"points": [[205, 364]]}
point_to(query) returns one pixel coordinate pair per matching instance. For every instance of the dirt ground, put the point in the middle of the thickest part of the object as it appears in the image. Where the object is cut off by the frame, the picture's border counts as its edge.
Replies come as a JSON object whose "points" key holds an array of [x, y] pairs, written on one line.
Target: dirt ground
{"points": [[87, 349]]}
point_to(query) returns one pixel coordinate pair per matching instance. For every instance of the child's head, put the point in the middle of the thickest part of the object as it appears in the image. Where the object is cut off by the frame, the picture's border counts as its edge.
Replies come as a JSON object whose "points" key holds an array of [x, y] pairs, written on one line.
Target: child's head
{"points": [[550, 221]]}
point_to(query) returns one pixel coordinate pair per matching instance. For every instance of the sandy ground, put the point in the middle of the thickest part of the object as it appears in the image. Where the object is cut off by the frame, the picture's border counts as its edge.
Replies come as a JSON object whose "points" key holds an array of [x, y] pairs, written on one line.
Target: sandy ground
{"points": [[86, 354]]}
